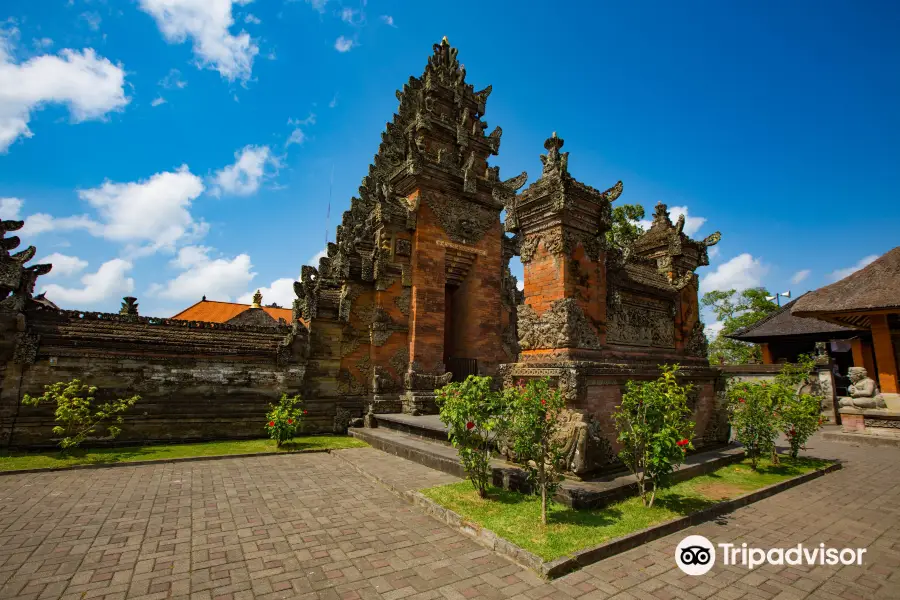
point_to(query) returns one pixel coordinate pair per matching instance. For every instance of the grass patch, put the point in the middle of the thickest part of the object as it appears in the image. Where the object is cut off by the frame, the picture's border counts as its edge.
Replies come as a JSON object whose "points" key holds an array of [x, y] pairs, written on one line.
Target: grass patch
{"points": [[517, 517], [16, 461]]}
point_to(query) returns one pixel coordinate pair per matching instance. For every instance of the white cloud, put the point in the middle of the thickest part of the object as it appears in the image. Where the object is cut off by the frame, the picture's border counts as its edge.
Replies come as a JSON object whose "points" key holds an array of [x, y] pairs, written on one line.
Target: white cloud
{"points": [[173, 80], [318, 5], [41, 222], [153, 210], [92, 18], [63, 265], [252, 19], [157, 101], [713, 329], [207, 23], [713, 252], [863, 262], [800, 276], [691, 224], [314, 261], [217, 279], [90, 86], [9, 208], [740, 273], [343, 44], [297, 137], [388, 20], [281, 292], [520, 285], [352, 16], [333, 102], [42, 43], [244, 177], [109, 281]]}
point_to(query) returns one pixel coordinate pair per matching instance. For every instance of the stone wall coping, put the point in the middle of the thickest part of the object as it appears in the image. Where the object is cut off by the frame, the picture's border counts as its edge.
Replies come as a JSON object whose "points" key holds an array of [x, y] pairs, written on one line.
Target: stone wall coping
{"points": [[881, 413]]}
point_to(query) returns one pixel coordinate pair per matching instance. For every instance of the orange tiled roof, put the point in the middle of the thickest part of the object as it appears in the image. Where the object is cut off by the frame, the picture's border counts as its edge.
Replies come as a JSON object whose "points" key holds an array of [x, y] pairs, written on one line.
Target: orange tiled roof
{"points": [[212, 311]]}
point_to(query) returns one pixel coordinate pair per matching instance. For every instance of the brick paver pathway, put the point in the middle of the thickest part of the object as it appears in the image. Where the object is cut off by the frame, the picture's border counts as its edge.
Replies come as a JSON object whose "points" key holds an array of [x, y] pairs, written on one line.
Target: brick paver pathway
{"points": [[312, 526]]}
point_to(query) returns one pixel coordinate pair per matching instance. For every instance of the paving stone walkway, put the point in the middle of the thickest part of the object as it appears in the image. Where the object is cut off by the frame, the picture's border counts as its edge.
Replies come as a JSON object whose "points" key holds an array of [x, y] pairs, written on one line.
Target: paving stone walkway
{"points": [[313, 526]]}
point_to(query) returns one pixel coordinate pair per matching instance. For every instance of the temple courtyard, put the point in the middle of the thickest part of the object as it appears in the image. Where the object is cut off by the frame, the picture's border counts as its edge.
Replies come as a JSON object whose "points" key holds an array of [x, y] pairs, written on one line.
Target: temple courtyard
{"points": [[321, 526]]}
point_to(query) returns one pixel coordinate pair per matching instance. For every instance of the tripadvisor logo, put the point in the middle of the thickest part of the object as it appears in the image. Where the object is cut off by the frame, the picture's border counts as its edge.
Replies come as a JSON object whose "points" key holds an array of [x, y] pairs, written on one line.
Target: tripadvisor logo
{"points": [[696, 555]]}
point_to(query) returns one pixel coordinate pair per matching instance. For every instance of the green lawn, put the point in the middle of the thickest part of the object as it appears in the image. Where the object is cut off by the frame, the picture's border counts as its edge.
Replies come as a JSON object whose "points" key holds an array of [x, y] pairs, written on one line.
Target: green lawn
{"points": [[517, 517], [14, 461]]}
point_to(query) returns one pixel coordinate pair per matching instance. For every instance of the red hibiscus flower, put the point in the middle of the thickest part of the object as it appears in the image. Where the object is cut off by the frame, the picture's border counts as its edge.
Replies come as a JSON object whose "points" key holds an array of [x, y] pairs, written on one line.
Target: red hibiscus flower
{"points": [[741, 400], [543, 402], [271, 423], [470, 425], [290, 421], [304, 412], [683, 442]]}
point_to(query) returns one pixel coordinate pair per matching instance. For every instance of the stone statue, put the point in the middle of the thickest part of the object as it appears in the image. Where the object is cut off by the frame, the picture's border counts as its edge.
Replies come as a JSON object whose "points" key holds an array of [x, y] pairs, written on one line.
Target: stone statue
{"points": [[585, 448], [862, 391]]}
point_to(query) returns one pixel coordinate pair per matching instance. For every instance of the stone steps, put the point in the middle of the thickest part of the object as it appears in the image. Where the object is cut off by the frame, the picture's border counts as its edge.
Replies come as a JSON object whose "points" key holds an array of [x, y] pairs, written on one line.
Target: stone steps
{"points": [[591, 493]]}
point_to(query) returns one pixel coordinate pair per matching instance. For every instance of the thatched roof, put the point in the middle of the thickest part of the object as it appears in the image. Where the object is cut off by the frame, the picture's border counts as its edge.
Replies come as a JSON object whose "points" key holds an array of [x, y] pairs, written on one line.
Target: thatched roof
{"points": [[873, 288], [782, 324]]}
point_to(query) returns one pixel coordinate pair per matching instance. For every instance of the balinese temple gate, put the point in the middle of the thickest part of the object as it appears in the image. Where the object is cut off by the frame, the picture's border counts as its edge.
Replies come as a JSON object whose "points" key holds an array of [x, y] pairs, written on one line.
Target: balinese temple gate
{"points": [[416, 289]]}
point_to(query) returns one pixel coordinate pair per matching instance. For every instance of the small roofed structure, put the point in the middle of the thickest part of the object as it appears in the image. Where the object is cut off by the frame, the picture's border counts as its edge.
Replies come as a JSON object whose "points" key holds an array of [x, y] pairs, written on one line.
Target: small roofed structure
{"points": [[867, 299], [783, 336], [234, 313]]}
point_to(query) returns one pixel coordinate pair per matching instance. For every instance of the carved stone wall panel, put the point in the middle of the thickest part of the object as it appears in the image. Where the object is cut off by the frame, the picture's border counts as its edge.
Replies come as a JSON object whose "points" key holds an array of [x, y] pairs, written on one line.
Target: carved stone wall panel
{"points": [[403, 301], [635, 321], [464, 222], [563, 325]]}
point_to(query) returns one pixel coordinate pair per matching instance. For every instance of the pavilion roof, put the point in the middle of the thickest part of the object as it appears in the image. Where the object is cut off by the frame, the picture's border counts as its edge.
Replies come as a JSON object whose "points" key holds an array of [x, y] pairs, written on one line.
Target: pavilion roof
{"points": [[221, 312], [872, 288], [782, 324]]}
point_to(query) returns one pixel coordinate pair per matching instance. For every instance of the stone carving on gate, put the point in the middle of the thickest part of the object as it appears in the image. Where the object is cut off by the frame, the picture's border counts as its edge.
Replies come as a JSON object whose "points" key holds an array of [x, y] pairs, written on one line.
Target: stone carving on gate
{"points": [[563, 325], [585, 449], [403, 301], [697, 344], [636, 321], [463, 221]]}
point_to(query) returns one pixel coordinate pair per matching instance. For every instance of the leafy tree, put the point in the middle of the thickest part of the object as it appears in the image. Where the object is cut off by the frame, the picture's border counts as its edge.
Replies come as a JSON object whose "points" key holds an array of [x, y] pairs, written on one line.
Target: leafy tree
{"points": [[534, 411], [736, 311], [474, 415], [754, 418], [284, 419], [654, 430], [799, 414], [625, 230], [77, 413]]}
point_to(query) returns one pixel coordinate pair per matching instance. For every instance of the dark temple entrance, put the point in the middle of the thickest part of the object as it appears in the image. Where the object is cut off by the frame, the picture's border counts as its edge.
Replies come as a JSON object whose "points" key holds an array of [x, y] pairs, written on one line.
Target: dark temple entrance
{"points": [[461, 367]]}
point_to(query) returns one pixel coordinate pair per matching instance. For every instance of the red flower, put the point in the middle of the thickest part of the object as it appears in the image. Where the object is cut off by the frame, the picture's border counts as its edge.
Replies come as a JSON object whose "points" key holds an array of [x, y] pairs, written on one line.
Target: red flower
{"points": [[470, 425], [290, 421], [304, 412], [683, 442], [271, 423], [741, 400], [543, 402]]}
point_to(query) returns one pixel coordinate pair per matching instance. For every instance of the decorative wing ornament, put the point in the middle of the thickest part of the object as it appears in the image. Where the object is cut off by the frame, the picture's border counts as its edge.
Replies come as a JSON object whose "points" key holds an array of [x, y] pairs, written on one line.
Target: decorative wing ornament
{"points": [[713, 239]]}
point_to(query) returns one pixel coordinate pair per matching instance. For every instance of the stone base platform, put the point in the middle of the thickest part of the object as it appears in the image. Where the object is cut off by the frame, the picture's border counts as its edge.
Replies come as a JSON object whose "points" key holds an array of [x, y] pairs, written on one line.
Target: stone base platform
{"points": [[415, 439], [863, 439], [870, 422]]}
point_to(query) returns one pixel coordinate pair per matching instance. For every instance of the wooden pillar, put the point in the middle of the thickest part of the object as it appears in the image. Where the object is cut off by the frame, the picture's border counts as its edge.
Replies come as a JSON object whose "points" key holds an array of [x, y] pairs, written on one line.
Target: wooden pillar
{"points": [[884, 353], [766, 354], [862, 356]]}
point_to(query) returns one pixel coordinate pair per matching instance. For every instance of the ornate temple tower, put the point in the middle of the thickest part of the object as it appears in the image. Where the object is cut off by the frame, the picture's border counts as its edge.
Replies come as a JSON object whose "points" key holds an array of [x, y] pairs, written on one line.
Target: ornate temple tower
{"points": [[412, 290]]}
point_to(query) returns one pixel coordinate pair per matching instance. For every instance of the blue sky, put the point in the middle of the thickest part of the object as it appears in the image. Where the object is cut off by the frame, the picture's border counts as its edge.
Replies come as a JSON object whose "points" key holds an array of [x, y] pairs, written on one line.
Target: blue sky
{"points": [[173, 153]]}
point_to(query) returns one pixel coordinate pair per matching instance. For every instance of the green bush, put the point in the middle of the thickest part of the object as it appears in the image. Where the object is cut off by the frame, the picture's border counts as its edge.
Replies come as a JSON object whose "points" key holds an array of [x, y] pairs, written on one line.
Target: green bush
{"points": [[474, 415], [534, 411], [285, 419], [654, 430], [760, 410], [77, 414]]}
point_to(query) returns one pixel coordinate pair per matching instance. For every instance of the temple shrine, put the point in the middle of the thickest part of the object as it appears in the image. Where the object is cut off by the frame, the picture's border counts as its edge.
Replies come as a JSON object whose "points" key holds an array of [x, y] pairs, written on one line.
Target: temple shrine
{"points": [[414, 292]]}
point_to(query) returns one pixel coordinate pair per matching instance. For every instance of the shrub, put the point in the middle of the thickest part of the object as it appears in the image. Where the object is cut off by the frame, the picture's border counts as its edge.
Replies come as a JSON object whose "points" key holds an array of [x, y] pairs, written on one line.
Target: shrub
{"points": [[760, 410], [285, 419], [474, 415], [77, 414], [753, 417], [654, 430], [534, 411]]}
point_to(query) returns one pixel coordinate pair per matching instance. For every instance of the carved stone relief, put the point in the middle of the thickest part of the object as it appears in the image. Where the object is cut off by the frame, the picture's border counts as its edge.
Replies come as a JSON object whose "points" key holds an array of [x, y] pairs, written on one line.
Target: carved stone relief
{"points": [[563, 325], [403, 301], [637, 321], [465, 222]]}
